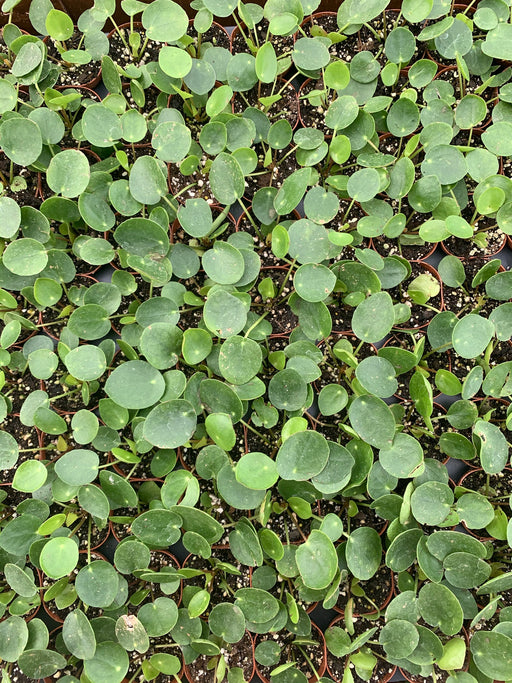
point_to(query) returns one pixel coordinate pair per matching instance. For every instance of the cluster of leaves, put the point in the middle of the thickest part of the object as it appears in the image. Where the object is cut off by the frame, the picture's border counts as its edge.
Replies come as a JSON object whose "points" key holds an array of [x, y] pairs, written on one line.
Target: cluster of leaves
{"points": [[267, 384]]}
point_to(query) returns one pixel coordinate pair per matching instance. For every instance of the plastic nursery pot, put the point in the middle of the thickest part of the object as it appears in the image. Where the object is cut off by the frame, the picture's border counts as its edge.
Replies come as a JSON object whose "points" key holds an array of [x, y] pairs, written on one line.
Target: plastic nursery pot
{"points": [[309, 115], [320, 666], [383, 672], [216, 35], [491, 253], [91, 79], [239, 654]]}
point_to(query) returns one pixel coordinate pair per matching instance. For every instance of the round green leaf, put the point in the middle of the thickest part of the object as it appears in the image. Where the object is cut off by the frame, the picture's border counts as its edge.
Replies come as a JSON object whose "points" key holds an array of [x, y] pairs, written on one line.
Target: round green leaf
{"points": [[403, 457], [471, 335], [135, 384], [317, 560], [170, 424], [492, 653], [21, 140], [227, 621], [440, 608], [86, 362], [109, 664], [302, 456], [372, 420], [97, 584], [314, 282], [364, 552], [25, 257], [239, 359], [29, 476], [377, 376], [59, 557], [171, 141], [256, 471], [68, 173], [374, 317], [78, 466]]}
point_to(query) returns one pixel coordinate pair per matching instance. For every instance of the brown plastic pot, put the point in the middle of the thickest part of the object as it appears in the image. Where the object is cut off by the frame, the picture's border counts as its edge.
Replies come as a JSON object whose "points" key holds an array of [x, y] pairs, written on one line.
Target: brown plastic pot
{"points": [[320, 670], [92, 83], [493, 254]]}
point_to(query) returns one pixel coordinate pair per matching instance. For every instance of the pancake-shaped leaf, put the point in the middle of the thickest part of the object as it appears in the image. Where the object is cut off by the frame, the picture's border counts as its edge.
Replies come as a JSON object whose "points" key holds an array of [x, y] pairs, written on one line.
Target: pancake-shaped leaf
{"points": [[302, 456], [25, 256], [440, 608], [68, 173], [29, 476], [364, 552], [314, 282], [377, 376], [171, 141], [372, 420], [196, 217], [148, 183], [170, 424], [77, 467], [374, 317], [223, 263], [227, 621], [101, 126], [159, 528], [13, 638], [403, 457], [109, 664], [135, 384], [21, 140], [226, 179], [399, 638], [256, 471], [86, 362], [78, 635], [316, 560], [464, 570], [8, 451], [492, 654], [10, 217], [59, 557], [239, 359], [475, 510], [431, 503], [336, 474], [165, 21], [224, 314], [491, 445], [257, 605], [471, 335]]}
